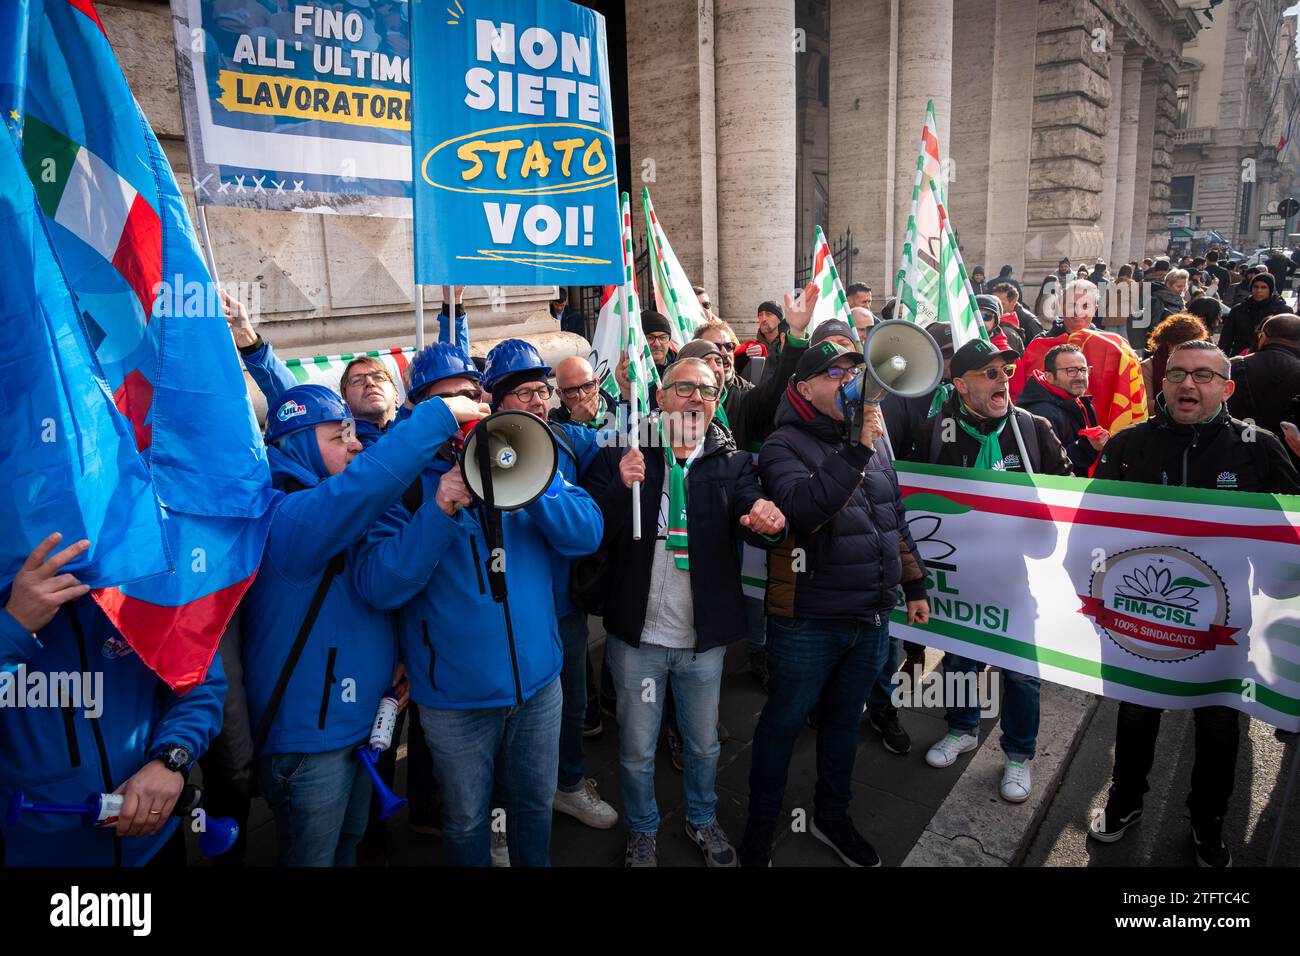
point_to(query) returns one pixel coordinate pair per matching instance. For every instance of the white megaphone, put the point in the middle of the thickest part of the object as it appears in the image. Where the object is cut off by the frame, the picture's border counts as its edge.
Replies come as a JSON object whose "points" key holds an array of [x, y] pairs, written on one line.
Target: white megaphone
{"points": [[902, 358], [519, 453]]}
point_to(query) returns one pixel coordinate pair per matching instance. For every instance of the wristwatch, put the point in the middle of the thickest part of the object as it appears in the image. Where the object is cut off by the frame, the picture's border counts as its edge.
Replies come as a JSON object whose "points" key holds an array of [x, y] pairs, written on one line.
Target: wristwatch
{"points": [[175, 758]]}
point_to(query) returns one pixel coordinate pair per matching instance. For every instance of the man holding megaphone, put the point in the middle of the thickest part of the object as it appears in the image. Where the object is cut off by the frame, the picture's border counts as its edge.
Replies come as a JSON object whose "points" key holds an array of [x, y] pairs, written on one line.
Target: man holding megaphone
{"points": [[317, 656], [469, 562]]}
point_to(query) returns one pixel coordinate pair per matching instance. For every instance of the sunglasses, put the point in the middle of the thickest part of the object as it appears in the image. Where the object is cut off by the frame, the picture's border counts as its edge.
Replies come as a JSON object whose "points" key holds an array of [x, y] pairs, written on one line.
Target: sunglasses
{"points": [[687, 389], [838, 372], [473, 394], [1202, 376], [992, 373]]}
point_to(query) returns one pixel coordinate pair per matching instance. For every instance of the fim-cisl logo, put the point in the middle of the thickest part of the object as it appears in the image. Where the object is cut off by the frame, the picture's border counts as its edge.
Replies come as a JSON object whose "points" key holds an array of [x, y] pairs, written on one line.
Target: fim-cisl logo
{"points": [[1161, 604]]}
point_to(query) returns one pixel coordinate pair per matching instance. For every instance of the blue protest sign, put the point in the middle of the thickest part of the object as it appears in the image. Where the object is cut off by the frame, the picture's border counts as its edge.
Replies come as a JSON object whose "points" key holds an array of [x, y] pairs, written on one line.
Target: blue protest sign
{"points": [[512, 144], [297, 106]]}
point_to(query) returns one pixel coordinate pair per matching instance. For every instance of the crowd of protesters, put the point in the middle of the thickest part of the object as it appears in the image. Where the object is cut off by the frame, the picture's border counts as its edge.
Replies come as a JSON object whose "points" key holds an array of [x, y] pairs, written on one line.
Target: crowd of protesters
{"points": [[385, 574]]}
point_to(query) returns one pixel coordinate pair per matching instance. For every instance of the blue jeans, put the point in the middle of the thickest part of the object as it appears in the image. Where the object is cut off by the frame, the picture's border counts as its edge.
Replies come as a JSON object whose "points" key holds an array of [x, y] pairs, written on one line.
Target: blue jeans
{"points": [[464, 745], [1019, 709], [878, 701], [835, 662], [573, 682], [321, 803], [641, 678]]}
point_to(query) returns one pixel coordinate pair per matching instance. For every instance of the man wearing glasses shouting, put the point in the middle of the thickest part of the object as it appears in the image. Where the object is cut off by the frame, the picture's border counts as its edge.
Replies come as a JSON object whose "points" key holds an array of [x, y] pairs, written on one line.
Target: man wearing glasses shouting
{"points": [[1192, 442], [978, 427], [675, 600], [1057, 393]]}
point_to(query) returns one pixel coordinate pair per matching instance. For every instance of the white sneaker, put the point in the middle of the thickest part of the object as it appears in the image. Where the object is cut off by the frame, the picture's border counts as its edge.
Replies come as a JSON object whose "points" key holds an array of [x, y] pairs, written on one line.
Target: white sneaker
{"points": [[585, 805], [500, 849], [1016, 782], [946, 751]]}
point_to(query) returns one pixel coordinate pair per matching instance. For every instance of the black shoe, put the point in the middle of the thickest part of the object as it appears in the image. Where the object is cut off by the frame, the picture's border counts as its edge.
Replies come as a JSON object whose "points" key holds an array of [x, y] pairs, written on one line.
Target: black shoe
{"points": [[1110, 824], [758, 668], [892, 734], [592, 726], [756, 845], [425, 820], [843, 837], [1207, 835], [675, 749]]}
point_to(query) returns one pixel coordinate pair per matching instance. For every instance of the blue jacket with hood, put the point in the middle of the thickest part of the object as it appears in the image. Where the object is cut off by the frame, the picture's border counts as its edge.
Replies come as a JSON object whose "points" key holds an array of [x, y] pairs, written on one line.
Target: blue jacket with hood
{"points": [[462, 649], [350, 656], [59, 754]]}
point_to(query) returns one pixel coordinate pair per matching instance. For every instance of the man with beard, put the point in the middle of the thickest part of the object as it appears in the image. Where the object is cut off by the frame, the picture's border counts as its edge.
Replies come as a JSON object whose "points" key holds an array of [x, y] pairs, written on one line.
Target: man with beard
{"points": [[982, 430], [1191, 442]]}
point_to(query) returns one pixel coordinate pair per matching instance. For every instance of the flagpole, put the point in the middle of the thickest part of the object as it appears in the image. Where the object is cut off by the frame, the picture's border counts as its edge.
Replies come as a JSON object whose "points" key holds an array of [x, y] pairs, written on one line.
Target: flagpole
{"points": [[207, 246], [419, 318]]}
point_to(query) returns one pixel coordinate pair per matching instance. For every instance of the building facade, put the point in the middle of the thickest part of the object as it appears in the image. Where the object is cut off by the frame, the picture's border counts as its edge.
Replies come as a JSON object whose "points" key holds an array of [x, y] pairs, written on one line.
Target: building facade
{"points": [[1237, 94], [1065, 123]]}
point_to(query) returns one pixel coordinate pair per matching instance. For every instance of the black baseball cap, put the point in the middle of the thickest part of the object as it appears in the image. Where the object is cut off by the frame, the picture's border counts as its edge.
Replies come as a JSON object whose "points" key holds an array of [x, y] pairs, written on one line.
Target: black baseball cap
{"points": [[819, 358], [828, 328], [977, 353], [941, 332]]}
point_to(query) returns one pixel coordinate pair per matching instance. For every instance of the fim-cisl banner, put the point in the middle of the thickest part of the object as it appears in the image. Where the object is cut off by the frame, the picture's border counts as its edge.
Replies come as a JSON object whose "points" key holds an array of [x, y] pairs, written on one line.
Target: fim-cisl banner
{"points": [[1170, 597]]}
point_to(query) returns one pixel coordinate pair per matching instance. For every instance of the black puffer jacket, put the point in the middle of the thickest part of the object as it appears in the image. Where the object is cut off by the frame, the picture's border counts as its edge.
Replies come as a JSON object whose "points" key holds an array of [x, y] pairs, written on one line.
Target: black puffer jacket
{"points": [[1241, 327], [1212, 454], [1266, 380], [963, 450], [722, 485], [842, 508], [1067, 416]]}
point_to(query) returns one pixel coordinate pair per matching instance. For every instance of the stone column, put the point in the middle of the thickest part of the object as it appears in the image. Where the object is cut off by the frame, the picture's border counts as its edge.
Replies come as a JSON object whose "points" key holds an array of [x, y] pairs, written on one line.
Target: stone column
{"points": [[1009, 130], [1146, 128], [1110, 161], [862, 135], [673, 133], [924, 73], [755, 79], [1071, 97], [1121, 240], [974, 33], [1162, 159]]}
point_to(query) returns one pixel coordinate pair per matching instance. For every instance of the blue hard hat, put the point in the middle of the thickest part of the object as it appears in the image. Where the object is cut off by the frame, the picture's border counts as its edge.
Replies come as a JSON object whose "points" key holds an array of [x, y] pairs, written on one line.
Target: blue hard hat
{"points": [[509, 358], [304, 406], [436, 362]]}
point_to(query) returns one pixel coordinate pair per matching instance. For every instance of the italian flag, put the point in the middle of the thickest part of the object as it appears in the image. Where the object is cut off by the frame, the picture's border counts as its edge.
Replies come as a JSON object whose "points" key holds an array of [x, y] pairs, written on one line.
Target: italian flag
{"points": [[832, 303], [618, 330], [932, 283], [673, 294], [85, 195]]}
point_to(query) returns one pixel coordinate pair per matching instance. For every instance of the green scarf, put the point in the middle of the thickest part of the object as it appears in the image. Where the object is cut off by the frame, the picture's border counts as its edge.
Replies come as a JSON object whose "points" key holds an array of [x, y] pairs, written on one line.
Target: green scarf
{"points": [[940, 396], [677, 541], [721, 414], [990, 447]]}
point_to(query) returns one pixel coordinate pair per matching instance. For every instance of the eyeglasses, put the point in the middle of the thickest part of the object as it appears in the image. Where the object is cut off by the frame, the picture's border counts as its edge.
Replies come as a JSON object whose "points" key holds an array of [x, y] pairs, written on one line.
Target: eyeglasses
{"points": [[573, 391], [837, 372], [371, 378], [1074, 371], [526, 395], [687, 389], [1202, 376], [658, 338], [992, 373]]}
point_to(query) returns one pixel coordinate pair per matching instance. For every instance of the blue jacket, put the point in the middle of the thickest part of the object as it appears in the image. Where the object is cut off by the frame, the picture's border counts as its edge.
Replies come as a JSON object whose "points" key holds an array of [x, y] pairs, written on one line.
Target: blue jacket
{"points": [[59, 755], [350, 655], [273, 378], [454, 636]]}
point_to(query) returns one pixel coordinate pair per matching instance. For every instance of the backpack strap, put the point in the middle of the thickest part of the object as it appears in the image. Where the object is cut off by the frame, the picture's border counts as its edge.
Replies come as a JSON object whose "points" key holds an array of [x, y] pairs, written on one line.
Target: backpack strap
{"points": [[564, 441], [1029, 435]]}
